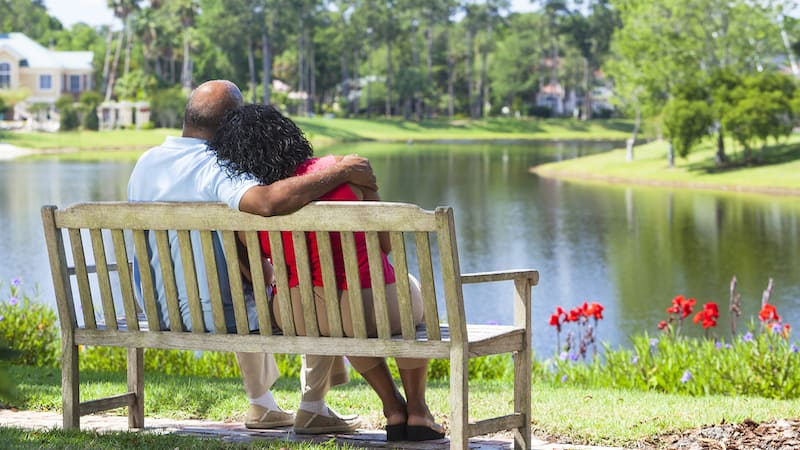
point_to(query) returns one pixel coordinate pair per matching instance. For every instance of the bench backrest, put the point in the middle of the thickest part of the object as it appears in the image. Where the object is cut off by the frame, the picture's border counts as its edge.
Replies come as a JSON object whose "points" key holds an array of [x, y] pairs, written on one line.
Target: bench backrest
{"points": [[111, 231]]}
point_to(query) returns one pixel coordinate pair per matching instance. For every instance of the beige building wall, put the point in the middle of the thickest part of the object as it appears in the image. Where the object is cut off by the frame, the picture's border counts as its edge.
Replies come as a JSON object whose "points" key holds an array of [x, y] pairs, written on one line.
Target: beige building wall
{"points": [[13, 61]]}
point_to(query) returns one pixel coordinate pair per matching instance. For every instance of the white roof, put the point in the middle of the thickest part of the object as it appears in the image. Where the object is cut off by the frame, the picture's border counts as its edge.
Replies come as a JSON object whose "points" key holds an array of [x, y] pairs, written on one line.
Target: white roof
{"points": [[40, 57]]}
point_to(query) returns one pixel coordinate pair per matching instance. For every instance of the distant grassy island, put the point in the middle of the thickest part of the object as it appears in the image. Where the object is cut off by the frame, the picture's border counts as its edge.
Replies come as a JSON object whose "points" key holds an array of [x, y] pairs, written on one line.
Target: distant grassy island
{"points": [[776, 170]]}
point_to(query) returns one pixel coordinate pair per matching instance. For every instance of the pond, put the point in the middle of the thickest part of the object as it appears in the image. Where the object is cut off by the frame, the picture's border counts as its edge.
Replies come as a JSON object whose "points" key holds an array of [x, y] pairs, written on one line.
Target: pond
{"points": [[630, 248]]}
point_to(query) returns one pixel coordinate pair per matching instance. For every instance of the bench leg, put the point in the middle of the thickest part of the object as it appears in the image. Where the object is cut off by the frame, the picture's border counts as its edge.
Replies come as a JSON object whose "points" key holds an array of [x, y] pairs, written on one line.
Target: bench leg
{"points": [[522, 398], [459, 398], [136, 386], [70, 384]]}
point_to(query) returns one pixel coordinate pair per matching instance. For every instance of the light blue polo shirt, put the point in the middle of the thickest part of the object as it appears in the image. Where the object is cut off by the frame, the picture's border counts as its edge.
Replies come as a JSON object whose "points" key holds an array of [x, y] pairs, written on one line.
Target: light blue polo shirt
{"points": [[184, 170]]}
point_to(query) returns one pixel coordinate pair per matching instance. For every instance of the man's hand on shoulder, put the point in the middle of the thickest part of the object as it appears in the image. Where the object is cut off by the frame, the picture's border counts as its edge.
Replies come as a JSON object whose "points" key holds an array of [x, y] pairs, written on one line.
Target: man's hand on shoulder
{"points": [[359, 171]]}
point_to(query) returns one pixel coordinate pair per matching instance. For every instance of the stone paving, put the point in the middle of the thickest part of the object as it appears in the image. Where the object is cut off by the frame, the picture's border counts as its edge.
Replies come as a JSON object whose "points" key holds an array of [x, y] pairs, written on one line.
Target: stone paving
{"points": [[236, 432]]}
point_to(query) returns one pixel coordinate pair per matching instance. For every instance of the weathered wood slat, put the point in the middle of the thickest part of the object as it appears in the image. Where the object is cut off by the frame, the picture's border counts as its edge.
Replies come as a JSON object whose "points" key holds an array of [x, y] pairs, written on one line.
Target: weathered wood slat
{"points": [[329, 284], [357, 316], [140, 247], [403, 290], [210, 261], [496, 423], [82, 277], [378, 285], [302, 259], [235, 281], [190, 281], [451, 272], [126, 284], [103, 278], [431, 313], [320, 216], [501, 275], [168, 280], [104, 404], [259, 283], [282, 279]]}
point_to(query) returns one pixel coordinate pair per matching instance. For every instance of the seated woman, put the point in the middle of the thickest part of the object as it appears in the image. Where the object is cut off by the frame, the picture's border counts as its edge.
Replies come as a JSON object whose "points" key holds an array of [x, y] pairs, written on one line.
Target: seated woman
{"points": [[259, 141]]}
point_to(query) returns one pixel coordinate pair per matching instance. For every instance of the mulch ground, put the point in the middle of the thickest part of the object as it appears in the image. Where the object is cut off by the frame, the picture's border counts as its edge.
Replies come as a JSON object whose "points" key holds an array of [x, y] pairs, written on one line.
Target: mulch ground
{"points": [[747, 435]]}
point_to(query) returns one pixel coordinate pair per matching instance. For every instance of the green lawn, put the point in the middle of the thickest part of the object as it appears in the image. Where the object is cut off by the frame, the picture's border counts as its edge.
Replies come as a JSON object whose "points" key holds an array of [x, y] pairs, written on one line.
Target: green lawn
{"points": [[323, 132], [575, 415], [778, 171]]}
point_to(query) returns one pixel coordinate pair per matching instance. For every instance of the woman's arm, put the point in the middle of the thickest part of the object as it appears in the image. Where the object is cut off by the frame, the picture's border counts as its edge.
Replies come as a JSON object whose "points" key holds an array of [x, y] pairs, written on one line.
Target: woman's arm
{"points": [[244, 262]]}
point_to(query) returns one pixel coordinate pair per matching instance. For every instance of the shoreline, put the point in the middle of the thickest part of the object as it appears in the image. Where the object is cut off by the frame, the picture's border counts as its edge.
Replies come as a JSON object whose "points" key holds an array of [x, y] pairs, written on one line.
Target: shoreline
{"points": [[610, 179], [8, 152]]}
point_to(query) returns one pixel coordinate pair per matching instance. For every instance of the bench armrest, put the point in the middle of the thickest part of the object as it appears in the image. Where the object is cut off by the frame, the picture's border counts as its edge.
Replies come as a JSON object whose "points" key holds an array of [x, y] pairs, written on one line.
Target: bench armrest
{"points": [[501, 275]]}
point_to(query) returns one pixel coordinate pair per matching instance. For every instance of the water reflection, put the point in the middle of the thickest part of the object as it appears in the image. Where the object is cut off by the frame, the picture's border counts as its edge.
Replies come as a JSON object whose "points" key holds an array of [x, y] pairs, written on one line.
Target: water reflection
{"points": [[630, 248]]}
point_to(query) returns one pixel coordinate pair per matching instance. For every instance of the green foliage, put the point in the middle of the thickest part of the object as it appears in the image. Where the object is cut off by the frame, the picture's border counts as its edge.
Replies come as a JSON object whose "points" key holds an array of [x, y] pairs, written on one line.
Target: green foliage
{"points": [[91, 99], [687, 122], [90, 119], [29, 328], [765, 365], [167, 107], [8, 386], [65, 101], [69, 119]]}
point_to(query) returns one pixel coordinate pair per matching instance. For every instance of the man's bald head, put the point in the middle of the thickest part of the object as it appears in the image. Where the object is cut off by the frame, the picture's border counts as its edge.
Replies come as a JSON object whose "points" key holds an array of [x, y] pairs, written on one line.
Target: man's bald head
{"points": [[207, 106]]}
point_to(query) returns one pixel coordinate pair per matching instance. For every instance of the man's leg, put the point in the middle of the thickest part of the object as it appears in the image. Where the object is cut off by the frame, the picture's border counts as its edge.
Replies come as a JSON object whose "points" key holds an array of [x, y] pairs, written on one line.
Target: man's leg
{"points": [[259, 372]]}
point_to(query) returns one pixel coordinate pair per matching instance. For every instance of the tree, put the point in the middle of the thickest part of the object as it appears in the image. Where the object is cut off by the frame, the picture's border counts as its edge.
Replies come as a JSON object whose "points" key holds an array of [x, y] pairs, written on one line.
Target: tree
{"points": [[687, 122]]}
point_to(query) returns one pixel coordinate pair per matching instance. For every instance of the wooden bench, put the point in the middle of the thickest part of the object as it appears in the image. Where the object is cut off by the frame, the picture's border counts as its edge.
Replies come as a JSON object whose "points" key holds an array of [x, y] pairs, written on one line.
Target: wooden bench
{"points": [[110, 232]]}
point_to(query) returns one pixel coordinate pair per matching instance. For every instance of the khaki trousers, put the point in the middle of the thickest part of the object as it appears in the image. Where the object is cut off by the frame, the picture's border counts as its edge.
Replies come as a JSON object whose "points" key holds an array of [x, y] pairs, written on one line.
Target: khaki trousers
{"points": [[317, 376]]}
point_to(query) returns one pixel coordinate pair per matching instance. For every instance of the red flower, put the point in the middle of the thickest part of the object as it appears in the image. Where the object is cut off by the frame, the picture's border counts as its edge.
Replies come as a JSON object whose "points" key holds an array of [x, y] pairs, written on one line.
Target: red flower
{"points": [[709, 315], [663, 324], [555, 319], [574, 314], [594, 310], [786, 330], [768, 313], [682, 306]]}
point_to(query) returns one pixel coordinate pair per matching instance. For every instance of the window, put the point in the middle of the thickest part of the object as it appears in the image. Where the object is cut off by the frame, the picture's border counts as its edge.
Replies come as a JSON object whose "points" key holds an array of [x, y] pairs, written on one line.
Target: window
{"points": [[74, 83], [5, 75], [45, 82]]}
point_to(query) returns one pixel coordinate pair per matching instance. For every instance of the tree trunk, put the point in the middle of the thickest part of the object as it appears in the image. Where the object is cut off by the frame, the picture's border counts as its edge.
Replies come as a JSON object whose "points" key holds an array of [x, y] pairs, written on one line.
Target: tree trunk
{"points": [[388, 112], [587, 90], [301, 67], [670, 155], [113, 72], [468, 72], [251, 65], [266, 50], [312, 79], [450, 79], [417, 93], [720, 158], [107, 59], [186, 68], [631, 141], [429, 64], [128, 44]]}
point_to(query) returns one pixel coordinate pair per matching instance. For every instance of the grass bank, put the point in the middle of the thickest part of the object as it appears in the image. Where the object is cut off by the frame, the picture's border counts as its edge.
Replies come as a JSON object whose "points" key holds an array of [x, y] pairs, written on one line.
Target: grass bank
{"points": [[323, 132], [568, 414], [776, 171]]}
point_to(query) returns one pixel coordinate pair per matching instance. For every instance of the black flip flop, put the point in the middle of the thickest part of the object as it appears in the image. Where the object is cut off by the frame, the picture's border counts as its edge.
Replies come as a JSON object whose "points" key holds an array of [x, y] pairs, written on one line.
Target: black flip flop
{"points": [[396, 432], [422, 433]]}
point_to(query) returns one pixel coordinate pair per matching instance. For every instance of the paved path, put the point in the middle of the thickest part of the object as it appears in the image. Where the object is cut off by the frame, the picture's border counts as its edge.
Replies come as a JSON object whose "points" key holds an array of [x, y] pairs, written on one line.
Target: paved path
{"points": [[236, 432]]}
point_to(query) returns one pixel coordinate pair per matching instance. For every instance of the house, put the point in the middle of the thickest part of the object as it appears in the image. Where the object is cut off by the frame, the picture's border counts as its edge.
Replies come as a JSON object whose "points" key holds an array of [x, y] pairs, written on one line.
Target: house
{"points": [[44, 74]]}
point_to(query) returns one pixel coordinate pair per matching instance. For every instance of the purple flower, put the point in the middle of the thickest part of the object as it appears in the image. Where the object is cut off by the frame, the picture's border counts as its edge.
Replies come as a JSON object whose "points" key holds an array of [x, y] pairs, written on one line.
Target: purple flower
{"points": [[2, 317], [776, 328], [563, 378], [718, 345], [634, 360], [13, 301], [16, 282], [748, 337], [653, 342], [563, 356], [573, 356], [686, 376], [793, 347]]}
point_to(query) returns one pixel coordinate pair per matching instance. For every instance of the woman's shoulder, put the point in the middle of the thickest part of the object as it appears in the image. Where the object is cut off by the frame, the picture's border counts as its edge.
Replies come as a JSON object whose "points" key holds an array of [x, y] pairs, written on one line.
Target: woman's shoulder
{"points": [[314, 164]]}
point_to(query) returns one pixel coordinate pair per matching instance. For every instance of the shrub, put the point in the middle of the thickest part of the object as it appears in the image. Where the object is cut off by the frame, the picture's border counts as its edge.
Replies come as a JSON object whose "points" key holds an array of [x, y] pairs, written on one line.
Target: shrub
{"points": [[29, 328], [69, 119]]}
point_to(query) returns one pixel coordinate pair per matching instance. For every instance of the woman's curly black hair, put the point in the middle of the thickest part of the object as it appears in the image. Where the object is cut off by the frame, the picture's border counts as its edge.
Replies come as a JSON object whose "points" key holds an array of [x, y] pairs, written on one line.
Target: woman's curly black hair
{"points": [[258, 140]]}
